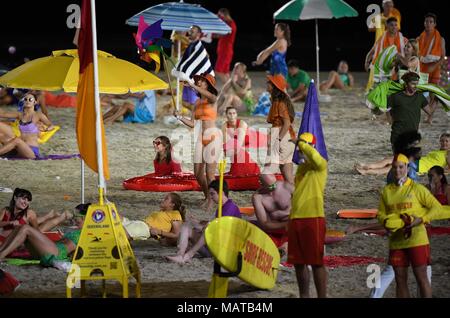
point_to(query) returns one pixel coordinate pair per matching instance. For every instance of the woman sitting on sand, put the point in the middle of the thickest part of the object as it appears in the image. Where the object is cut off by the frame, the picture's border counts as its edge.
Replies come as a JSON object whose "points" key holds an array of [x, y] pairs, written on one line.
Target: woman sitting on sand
{"points": [[164, 224], [340, 79], [41, 246], [31, 123], [438, 185], [237, 91], [18, 213], [163, 163], [439, 157]]}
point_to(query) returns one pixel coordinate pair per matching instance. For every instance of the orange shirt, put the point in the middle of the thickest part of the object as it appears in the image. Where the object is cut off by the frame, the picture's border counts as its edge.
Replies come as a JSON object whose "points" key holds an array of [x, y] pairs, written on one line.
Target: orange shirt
{"points": [[277, 112]]}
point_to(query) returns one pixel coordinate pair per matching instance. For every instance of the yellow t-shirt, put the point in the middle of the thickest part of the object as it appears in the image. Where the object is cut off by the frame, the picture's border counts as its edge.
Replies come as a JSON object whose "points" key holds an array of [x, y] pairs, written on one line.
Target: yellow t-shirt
{"points": [[434, 158], [310, 180], [413, 199], [163, 220]]}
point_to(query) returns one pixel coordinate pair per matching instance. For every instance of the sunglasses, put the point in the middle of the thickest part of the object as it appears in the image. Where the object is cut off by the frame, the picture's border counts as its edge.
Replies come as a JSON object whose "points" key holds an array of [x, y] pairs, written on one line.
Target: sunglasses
{"points": [[29, 99], [156, 142]]}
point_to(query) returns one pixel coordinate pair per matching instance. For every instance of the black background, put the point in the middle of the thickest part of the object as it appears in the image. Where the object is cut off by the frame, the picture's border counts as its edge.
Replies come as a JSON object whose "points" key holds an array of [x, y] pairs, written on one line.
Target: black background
{"points": [[39, 27]]}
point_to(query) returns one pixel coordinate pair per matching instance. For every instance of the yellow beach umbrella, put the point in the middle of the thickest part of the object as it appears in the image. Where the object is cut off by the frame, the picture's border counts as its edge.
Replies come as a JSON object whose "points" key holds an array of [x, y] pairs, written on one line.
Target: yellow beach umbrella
{"points": [[60, 72]]}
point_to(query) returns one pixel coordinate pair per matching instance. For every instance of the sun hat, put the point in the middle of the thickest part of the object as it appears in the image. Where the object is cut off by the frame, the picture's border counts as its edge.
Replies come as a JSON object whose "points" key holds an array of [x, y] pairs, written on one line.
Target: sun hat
{"points": [[210, 80], [278, 81]]}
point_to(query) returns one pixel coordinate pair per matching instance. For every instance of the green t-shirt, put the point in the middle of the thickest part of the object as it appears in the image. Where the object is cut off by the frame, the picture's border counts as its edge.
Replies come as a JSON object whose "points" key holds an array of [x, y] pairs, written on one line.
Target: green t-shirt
{"points": [[405, 112], [300, 78]]}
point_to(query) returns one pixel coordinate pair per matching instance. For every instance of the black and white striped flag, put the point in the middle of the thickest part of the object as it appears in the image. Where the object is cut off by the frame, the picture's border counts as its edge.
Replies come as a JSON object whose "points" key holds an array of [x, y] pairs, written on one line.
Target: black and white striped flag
{"points": [[194, 62]]}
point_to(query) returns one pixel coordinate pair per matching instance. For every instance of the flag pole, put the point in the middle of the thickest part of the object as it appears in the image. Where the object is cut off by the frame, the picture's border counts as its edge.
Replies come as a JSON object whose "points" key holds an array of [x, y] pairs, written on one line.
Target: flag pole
{"points": [[98, 126]]}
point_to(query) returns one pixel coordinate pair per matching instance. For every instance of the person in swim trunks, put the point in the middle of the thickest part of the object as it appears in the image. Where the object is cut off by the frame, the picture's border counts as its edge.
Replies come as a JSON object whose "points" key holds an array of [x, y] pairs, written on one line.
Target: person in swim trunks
{"points": [[208, 142], [31, 123]]}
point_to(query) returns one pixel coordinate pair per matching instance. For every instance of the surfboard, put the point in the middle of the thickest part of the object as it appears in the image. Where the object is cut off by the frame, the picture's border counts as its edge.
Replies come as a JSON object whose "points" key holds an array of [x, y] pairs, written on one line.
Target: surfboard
{"points": [[44, 136], [227, 236], [357, 213]]}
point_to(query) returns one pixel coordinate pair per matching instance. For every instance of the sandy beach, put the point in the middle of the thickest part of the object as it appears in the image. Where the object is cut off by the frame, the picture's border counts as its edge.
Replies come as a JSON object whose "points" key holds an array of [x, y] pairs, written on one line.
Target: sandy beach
{"points": [[351, 136]]}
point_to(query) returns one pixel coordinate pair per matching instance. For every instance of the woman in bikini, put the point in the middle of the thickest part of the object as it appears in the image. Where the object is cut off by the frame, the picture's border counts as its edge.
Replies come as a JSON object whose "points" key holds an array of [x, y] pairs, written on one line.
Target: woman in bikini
{"points": [[207, 141], [31, 123]]}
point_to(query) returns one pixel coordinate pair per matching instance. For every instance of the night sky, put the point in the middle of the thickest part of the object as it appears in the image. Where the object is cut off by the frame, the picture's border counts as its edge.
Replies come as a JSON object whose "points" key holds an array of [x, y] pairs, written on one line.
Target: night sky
{"points": [[39, 27]]}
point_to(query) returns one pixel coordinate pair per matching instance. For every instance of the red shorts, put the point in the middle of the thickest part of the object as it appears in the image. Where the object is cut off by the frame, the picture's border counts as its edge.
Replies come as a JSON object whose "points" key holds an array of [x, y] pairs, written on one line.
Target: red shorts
{"points": [[223, 62], [279, 237], [306, 241], [417, 256]]}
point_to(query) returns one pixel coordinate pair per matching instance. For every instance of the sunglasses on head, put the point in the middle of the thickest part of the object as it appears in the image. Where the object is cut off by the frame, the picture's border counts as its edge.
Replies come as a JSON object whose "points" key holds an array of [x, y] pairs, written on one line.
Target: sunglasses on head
{"points": [[156, 142]]}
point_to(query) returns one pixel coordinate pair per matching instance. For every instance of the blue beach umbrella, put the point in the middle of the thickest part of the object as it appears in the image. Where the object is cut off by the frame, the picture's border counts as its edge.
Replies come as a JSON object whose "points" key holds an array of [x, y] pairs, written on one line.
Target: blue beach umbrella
{"points": [[180, 16], [311, 123]]}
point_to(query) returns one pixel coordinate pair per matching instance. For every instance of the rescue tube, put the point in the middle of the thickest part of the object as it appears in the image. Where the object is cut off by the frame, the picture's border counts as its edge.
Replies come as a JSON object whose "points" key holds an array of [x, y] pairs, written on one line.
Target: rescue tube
{"points": [[187, 182], [357, 213]]}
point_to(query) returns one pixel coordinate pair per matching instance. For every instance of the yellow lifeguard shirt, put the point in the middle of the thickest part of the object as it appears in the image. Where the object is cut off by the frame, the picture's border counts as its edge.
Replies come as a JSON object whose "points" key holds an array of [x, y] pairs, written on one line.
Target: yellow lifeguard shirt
{"points": [[310, 180], [163, 220], [413, 199]]}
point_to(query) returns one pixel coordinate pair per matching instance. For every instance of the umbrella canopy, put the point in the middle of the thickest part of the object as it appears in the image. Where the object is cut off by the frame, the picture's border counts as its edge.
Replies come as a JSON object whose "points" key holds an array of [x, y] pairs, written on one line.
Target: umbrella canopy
{"points": [[181, 16], [60, 71], [314, 9]]}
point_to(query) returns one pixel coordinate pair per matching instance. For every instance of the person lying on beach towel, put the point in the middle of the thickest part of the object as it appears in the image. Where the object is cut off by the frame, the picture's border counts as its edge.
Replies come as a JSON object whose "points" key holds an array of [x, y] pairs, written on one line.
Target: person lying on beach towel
{"points": [[163, 225], [423, 164], [134, 107], [30, 122], [192, 232], [50, 253], [18, 213]]}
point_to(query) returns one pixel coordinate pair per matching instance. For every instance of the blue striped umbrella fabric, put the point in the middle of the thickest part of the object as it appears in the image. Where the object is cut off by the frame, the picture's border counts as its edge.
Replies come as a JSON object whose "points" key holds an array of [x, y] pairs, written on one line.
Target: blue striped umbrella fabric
{"points": [[181, 16]]}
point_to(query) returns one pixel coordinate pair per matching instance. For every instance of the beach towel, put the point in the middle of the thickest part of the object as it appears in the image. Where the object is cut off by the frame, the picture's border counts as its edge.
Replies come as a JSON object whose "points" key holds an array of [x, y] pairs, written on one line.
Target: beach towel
{"points": [[49, 157], [195, 61], [384, 64], [263, 106], [8, 283], [430, 50], [378, 97], [385, 41]]}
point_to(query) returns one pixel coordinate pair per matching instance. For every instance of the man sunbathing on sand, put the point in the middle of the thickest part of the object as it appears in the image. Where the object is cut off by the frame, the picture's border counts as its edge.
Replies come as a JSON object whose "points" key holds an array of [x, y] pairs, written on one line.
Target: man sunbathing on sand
{"points": [[193, 230]]}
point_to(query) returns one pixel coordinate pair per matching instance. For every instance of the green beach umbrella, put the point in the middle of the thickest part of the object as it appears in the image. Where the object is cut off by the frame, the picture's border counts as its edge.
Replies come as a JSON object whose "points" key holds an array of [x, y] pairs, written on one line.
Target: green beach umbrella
{"points": [[315, 9]]}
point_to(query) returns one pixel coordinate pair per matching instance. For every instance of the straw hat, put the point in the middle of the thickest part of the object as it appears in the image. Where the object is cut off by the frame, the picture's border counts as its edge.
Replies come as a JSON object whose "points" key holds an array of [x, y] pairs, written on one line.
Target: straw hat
{"points": [[210, 80], [278, 81]]}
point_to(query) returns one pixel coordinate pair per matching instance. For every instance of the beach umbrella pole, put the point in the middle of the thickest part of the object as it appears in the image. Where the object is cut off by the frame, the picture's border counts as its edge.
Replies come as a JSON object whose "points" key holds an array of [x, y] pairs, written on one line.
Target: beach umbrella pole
{"points": [[178, 79], [168, 78], [82, 180], [317, 53]]}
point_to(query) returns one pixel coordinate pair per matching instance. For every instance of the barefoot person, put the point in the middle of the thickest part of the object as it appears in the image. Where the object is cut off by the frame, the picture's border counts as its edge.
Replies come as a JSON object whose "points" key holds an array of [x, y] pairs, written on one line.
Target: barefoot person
{"points": [[307, 219], [281, 116], [204, 121], [31, 123], [18, 213], [339, 79], [192, 232], [405, 207]]}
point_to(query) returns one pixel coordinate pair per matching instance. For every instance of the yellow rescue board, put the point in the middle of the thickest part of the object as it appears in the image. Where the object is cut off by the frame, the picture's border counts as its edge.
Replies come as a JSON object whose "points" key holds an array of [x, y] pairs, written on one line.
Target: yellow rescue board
{"points": [[227, 236], [44, 136]]}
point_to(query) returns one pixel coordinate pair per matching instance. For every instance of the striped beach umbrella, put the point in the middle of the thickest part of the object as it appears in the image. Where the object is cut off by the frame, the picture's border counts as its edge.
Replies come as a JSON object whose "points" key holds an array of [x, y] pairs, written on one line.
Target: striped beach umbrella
{"points": [[315, 9], [180, 16]]}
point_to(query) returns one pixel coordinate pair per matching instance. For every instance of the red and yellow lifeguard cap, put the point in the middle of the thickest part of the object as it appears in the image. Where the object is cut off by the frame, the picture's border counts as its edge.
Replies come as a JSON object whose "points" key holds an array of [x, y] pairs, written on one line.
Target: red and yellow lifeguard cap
{"points": [[308, 137]]}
